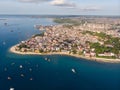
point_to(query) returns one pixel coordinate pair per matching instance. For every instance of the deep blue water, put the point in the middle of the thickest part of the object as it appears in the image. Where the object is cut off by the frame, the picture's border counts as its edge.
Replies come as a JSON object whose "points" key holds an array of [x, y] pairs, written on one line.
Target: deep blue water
{"points": [[53, 75]]}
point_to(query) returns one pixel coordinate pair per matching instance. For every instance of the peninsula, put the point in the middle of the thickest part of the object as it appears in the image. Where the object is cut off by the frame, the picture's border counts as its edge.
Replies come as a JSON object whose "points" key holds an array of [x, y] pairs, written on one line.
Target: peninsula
{"points": [[90, 38]]}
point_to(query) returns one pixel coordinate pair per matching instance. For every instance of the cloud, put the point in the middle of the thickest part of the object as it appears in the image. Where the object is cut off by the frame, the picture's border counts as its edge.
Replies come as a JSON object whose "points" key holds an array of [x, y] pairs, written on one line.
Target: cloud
{"points": [[90, 8], [62, 3], [33, 1]]}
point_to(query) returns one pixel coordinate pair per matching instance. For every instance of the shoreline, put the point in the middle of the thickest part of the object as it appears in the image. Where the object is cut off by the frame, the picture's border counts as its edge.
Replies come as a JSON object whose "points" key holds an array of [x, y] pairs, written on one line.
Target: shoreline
{"points": [[12, 49]]}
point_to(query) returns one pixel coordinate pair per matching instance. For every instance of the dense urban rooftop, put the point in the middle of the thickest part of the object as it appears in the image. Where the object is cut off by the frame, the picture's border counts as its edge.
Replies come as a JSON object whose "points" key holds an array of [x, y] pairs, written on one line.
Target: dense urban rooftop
{"points": [[92, 37]]}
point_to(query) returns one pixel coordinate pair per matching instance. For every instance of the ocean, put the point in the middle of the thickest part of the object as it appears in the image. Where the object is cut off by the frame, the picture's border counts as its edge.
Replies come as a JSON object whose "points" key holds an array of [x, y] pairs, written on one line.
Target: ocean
{"points": [[58, 72]]}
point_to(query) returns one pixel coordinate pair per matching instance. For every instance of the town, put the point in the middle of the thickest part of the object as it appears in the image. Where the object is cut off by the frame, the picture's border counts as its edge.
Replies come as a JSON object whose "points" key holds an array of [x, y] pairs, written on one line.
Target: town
{"points": [[88, 37]]}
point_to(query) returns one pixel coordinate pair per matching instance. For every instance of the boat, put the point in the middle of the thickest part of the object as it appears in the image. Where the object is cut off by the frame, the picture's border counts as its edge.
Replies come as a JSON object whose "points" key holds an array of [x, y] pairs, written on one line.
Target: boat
{"points": [[73, 70], [22, 75], [5, 69], [11, 30], [9, 78], [48, 60], [45, 58], [4, 43], [31, 79], [12, 89], [5, 24], [21, 66], [30, 69]]}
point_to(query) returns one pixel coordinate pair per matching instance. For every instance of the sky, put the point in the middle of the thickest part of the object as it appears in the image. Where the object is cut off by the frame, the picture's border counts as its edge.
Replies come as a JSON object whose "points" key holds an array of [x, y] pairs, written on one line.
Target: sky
{"points": [[60, 7]]}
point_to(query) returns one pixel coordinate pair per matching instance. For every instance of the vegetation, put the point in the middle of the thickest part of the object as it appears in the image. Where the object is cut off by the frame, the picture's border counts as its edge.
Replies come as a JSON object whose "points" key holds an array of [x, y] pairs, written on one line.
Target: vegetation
{"points": [[100, 35], [67, 21], [23, 46], [111, 44], [107, 57], [103, 48], [41, 51], [74, 51], [100, 48], [68, 26], [80, 53], [41, 34]]}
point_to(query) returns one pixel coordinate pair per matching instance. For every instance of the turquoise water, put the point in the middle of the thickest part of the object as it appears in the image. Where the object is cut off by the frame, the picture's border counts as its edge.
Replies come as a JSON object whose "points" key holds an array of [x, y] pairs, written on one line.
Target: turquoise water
{"points": [[39, 74]]}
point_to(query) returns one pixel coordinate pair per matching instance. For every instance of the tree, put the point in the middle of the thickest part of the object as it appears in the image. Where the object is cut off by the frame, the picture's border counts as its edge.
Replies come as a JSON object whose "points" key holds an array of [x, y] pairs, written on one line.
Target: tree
{"points": [[74, 51]]}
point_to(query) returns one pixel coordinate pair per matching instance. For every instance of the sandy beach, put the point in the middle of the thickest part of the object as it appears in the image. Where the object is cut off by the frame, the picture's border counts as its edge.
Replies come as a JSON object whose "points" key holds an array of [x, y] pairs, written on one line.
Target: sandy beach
{"points": [[12, 49]]}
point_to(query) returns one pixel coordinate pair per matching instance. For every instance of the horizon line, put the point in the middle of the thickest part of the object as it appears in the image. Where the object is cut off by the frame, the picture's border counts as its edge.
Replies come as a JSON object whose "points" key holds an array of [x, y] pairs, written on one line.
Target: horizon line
{"points": [[58, 15]]}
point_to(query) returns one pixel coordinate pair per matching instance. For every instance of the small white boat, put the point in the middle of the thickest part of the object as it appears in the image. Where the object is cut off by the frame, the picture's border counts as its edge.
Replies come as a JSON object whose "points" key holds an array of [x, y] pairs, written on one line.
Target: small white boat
{"points": [[5, 69], [73, 70], [22, 75], [21, 66], [48, 60], [37, 65], [4, 43], [31, 79], [12, 89], [9, 78], [45, 58], [12, 63], [30, 69]]}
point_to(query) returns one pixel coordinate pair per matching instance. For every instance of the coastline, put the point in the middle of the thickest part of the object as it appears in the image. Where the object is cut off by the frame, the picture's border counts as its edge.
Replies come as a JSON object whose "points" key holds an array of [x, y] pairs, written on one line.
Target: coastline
{"points": [[12, 50]]}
